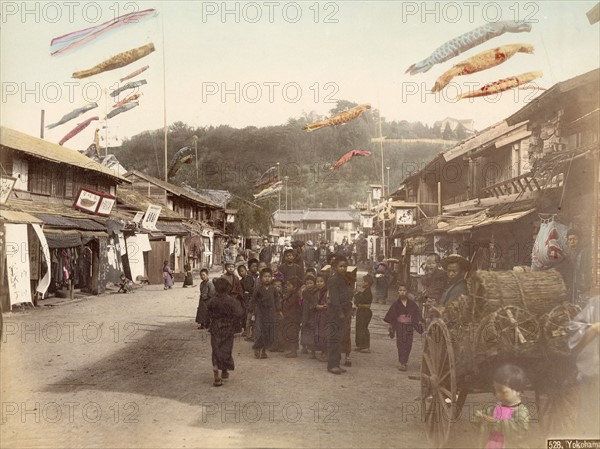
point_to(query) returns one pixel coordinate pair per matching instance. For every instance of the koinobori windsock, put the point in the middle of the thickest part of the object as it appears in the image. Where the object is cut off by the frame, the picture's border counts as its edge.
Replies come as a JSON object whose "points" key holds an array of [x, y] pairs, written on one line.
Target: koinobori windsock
{"points": [[130, 85], [73, 114], [464, 42], [77, 129], [502, 85], [70, 41], [481, 61], [338, 119], [124, 108], [117, 61], [349, 155]]}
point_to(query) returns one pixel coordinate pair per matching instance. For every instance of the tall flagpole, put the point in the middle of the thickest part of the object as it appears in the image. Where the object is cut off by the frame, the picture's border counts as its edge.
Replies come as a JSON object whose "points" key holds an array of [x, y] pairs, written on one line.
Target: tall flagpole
{"points": [[164, 99], [382, 184]]}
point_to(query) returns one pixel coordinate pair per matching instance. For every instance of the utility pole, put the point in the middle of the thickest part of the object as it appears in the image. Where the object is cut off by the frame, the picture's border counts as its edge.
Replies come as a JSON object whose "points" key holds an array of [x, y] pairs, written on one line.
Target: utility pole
{"points": [[196, 150], [382, 185]]}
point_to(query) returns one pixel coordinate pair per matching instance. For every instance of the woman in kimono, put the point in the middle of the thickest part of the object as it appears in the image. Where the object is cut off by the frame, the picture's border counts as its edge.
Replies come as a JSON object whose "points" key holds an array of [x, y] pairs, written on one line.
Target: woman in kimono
{"points": [[167, 275]]}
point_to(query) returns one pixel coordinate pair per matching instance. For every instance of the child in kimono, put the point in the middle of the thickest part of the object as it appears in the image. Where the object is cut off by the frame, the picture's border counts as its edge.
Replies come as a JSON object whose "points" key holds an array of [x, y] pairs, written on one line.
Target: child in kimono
{"points": [[362, 300], [310, 297], [403, 317], [267, 308], [278, 345], [321, 316], [224, 312], [505, 425], [207, 292], [292, 316]]}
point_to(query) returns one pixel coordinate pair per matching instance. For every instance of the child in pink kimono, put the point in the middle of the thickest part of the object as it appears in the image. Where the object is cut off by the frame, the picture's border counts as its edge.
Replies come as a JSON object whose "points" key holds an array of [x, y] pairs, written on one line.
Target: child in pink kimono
{"points": [[506, 424]]}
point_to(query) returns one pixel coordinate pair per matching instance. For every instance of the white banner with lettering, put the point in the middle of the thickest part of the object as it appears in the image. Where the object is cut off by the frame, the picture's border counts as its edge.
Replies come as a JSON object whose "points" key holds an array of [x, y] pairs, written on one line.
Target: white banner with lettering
{"points": [[17, 263], [151, 217]]}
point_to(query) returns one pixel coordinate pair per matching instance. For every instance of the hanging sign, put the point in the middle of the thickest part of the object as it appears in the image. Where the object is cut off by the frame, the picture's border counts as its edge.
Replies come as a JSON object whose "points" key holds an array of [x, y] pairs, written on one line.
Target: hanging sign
{"points": [[6, 186], [405, 216], [97, 203], [151, 217]]}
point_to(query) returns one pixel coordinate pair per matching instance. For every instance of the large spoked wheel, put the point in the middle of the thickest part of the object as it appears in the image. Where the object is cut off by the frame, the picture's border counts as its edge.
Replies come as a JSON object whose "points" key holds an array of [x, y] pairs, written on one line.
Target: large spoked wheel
{"points": [[439, 407]]}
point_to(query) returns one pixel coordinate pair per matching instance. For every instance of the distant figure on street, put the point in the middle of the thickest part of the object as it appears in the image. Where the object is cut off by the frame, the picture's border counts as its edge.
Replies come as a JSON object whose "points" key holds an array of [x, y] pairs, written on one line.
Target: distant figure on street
{"points": [[382, 280], [188, 280], [224, 312], [310, 255], [167, 275]]}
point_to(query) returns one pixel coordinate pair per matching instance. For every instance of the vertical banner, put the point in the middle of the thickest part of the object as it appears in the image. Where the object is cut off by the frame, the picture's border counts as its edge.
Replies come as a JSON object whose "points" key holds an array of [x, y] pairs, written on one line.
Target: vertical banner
{"points": [[34, 254], [17, 263], [45, 281]]}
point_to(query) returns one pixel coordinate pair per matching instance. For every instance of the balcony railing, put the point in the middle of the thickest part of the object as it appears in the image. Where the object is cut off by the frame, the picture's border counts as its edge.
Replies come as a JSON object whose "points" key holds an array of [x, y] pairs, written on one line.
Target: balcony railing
{"points": [[520, 184]]}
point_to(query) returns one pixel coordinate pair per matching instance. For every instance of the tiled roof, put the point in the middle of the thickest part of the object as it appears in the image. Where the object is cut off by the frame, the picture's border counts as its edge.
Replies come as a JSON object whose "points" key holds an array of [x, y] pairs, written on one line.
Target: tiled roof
{"points": [[220, 197], [331, 215], [317, 215], [172, 188], [49, 151]]}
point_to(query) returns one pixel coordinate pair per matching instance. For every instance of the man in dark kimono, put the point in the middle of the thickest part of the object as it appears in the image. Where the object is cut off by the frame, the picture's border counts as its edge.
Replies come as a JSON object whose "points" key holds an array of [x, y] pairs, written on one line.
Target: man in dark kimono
{"points": [[288, 268], [339, 306], [456, 267], [266, 253], [403, 317], [224, 311]]}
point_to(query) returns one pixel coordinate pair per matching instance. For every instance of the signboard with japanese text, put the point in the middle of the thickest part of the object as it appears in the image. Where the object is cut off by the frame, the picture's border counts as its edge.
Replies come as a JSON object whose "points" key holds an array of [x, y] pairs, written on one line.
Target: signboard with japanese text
{"points": [[6, 186], [151, 217], [97, 203], [405, 216], [106, 205]]}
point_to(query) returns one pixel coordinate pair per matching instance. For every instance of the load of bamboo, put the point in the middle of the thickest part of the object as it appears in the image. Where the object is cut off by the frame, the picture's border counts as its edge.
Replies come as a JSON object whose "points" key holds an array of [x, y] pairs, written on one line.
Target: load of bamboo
{"points": [[535, 291]]}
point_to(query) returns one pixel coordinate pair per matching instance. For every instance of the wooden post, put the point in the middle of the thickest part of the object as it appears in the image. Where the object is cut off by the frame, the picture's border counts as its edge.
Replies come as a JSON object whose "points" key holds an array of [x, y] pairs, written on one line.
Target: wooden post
{"points": [[439, 192]]}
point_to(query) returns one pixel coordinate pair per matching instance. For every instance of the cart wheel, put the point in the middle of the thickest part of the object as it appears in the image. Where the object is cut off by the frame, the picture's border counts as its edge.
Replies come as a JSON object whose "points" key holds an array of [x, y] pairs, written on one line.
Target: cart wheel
{"points": [[555, 327], [509, 328], [439, 406], [558, 410]]}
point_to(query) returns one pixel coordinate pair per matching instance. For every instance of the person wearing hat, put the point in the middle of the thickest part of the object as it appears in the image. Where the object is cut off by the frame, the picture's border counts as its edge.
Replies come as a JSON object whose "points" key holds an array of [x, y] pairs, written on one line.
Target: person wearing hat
{"points": [[310, 255], [456, 267]]}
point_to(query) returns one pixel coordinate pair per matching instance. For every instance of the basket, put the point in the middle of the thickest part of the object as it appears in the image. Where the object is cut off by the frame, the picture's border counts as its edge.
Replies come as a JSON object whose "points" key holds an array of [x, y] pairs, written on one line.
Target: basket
{"points": [[536, 291]]}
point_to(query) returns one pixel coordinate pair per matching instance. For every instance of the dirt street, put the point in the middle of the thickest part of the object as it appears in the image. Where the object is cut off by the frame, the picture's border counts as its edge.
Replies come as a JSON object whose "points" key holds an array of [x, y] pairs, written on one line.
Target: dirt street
{"points": [[134, 371]]}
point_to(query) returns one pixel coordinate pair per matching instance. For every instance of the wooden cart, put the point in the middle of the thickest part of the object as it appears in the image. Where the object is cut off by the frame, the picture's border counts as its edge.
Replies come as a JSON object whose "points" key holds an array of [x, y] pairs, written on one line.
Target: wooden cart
{"points": [[508, 317]]}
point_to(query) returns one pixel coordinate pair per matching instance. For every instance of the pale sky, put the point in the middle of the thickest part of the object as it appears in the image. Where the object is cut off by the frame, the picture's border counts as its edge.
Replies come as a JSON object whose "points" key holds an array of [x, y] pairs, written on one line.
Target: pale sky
{"points": [[264, 62]]}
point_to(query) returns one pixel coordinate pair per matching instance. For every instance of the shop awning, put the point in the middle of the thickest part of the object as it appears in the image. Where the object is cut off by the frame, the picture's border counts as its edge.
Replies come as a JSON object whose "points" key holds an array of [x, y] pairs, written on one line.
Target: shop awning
{"points": [[481, 219], [63, 239], [59, 221], [13, 216]]}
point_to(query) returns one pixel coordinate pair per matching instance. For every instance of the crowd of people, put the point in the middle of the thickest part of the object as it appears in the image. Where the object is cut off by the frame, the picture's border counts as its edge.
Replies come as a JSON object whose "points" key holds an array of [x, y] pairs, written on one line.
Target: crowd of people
{"points": [[290, 303], [294, 303]]}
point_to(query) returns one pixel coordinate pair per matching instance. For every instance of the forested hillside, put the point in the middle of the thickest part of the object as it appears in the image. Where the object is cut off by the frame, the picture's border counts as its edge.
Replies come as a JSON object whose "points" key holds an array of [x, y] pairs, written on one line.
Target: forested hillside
{"points": [[234, 159]]}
